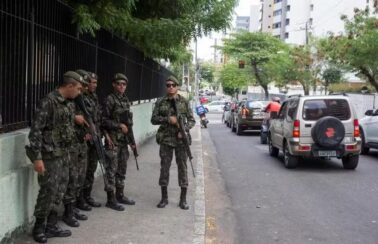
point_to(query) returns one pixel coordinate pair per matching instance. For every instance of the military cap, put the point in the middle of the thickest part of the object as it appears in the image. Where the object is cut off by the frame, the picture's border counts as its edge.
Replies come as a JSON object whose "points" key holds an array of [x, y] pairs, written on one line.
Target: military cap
{"points": [[172, 78], [75, 76], [93, 76], [85, 76], [120, 76]]}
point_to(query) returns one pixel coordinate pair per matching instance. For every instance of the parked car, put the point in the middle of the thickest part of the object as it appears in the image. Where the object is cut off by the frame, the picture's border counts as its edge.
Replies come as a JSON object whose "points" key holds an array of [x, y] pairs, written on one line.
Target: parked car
{"points": [[369, 131], [316, 127], [230, 117], [251, 120], [215, 106]]}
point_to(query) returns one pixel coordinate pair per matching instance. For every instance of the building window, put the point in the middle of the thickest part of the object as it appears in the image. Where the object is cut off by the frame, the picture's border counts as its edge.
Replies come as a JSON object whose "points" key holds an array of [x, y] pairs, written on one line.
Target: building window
{"points": [[287, 21], [277, 1], [277, 25], [286, 35], [312, 7], [288, 8], [310, 21], [277, 12]]}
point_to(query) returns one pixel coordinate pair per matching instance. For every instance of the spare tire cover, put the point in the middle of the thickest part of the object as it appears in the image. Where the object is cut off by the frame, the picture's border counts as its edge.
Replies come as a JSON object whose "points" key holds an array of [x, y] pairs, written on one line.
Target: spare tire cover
{"points": [[328, 132]]}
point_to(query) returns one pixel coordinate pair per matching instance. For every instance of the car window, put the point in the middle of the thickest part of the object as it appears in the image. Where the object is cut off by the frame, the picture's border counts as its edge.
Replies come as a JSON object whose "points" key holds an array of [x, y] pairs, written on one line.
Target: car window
{"points": [[292, 109], [282, 112], [318, 108], [254, 105]]}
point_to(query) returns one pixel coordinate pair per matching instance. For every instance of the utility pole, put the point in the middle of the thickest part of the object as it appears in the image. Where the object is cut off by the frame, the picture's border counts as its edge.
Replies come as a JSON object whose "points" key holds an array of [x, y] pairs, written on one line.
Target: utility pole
{"points": [[196, 73], [215, 50]]}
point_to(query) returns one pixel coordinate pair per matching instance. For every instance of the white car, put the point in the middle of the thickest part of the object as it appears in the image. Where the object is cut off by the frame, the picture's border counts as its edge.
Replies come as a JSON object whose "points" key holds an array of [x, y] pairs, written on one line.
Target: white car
{"points": [[369, 131], [215, 106]]}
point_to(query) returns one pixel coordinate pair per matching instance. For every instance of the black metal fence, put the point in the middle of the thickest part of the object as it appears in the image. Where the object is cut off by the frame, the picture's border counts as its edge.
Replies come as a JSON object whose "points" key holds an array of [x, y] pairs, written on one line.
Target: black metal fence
{"points": [[38, 43]]}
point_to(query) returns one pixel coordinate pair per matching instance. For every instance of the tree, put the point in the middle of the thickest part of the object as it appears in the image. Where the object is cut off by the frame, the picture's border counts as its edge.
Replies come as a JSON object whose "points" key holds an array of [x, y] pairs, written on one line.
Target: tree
{"points": [[330, 76], [356, 49], [233, 79], [157, 27], [258, 49]]}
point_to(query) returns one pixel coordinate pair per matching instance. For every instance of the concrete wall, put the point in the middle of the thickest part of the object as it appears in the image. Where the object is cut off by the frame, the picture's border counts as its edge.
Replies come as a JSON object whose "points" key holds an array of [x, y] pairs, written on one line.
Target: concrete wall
{"points": [[18, 181]]}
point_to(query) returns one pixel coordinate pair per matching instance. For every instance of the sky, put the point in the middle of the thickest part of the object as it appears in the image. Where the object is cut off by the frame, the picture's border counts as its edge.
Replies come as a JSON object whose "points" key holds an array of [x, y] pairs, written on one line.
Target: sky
{"points": [[205, 49]]}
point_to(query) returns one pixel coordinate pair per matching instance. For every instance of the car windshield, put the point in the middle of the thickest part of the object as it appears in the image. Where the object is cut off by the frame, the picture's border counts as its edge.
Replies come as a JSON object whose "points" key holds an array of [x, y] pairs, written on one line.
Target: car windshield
{"points": [[318, 108], [255, 104]]}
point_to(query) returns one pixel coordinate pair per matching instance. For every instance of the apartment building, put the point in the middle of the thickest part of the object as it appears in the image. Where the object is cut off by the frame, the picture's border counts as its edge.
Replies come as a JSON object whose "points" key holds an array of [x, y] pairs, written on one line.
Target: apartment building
{"points": [[242, 23], [295, 20]]}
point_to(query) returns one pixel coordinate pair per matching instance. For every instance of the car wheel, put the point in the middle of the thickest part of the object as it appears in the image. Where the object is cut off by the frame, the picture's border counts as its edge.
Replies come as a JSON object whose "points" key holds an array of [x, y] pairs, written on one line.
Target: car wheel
{"points": [[239, 131], [350, 162], [273, 151], [364, 148], [289, 160], [263, 138]]}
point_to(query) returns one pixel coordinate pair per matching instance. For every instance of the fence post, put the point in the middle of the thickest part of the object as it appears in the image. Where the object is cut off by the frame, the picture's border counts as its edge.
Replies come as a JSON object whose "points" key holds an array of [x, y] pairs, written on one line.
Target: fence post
{"points": [[30, 66], [140, 84]]}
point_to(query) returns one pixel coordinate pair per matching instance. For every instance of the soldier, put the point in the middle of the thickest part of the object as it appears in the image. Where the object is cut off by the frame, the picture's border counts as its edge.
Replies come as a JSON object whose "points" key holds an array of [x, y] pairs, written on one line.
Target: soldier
{"points": [[50, 136], [117, 117], [170, 139], [93, 107], [77, 166]]}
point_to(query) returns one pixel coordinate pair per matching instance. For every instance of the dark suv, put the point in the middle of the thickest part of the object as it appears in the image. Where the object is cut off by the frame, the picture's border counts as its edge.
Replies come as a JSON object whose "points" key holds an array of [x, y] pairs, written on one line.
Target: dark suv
{"points": [[251, 120]]}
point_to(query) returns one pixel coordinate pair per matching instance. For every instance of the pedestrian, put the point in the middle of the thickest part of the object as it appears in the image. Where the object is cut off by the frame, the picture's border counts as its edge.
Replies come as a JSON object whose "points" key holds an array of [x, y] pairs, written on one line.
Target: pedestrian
{"points": [[170, 139], [93, 107], [77, 165], [50, 136], [117, 118]]}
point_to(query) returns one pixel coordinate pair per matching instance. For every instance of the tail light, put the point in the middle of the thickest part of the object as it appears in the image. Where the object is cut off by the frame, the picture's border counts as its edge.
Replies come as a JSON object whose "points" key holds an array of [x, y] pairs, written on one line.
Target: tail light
{"points": [[356, 128], [296, 129]]}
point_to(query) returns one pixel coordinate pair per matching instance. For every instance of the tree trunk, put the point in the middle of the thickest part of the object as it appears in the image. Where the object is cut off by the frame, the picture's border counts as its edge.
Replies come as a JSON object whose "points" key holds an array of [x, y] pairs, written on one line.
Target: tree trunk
{"points": [[306, 89], [259, 79], [370, 77]]}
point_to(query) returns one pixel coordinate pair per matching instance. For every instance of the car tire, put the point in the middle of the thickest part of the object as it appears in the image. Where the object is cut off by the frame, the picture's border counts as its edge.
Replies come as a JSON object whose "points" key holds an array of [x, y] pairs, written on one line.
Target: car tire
{"points": [[364, 149], [290, 161], [350, 162], [263, 138], [328, 132], [273, 151], [239, 131]]}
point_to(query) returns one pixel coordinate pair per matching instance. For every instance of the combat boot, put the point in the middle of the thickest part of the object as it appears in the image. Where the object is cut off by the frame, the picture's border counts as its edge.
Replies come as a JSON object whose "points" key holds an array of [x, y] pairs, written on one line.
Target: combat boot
{"points": [[39, 230], [164, 197], [89, 199], [78, 215], [52, 228], [82, 204], [183, 204], [121, 198], [68, 216], [112, 202]]}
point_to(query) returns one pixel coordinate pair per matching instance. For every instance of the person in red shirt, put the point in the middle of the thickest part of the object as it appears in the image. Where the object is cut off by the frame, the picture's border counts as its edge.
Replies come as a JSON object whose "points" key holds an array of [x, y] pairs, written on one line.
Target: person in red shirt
{"points": [[273, 106]]}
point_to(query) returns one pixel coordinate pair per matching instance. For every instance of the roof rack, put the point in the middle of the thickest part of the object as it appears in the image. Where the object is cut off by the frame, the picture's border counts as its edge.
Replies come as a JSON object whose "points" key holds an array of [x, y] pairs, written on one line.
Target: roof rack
{"points": [[295, 95], [338, 93]]}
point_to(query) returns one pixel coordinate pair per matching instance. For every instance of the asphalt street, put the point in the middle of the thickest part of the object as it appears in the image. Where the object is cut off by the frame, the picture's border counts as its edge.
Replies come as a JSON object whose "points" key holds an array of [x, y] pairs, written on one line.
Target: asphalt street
{"points": [[318, 202]]}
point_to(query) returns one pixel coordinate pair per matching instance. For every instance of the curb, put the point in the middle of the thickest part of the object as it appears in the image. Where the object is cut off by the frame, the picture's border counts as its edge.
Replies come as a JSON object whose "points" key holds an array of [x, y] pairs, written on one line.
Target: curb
{"points": [[199, 197]]}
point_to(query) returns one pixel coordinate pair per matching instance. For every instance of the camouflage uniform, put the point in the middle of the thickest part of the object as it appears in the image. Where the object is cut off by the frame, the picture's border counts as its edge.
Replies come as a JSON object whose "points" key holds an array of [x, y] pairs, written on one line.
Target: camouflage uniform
{"points": [[50, 136], [93, 107], [168, 140], [117, 107], [78, 161]]}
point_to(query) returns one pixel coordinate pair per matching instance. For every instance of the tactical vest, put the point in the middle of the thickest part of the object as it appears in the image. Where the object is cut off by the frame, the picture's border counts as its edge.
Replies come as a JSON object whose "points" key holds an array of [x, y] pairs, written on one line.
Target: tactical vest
{"points": [[59, 134]]}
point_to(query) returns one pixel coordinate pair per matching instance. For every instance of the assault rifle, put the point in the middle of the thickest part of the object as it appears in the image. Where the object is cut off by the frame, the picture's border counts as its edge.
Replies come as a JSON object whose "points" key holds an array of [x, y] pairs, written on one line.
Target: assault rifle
{"points": [[96, 140], [185, 135], [125, 119]]}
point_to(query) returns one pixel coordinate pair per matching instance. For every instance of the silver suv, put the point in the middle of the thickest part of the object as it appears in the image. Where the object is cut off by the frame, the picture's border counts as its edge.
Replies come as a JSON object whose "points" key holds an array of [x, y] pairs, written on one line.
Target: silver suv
{"points": [[316, 127]]}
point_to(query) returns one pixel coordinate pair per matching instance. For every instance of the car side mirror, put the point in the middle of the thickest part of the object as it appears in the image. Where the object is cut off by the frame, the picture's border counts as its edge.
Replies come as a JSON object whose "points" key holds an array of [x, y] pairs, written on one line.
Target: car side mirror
{"points": [[369, 112], [273, 115]]}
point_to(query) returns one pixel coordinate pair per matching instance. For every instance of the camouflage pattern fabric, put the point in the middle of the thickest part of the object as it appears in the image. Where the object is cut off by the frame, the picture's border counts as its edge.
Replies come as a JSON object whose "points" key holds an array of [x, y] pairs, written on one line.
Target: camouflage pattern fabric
{"points": [[116, 106], [167, 133], [167, 137], [166, 154], [50, 136]]}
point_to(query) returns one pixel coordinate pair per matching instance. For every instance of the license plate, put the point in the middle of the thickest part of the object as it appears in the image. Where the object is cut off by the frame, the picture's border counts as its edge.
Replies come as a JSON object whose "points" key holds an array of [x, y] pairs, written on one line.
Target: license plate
{"points": [[327, 153]]}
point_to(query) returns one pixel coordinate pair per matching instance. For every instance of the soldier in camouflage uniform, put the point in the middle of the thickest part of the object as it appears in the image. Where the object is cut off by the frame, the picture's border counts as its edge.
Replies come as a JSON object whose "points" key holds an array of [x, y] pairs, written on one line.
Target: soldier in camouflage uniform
{"points": [[170, 139], [93, 107], [50, 136], [77, 166], [117, 117]]}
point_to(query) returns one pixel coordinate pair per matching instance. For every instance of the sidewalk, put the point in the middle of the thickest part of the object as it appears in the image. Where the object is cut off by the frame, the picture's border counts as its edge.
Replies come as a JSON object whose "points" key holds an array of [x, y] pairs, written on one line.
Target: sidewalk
{"points": [[144, 222]]}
